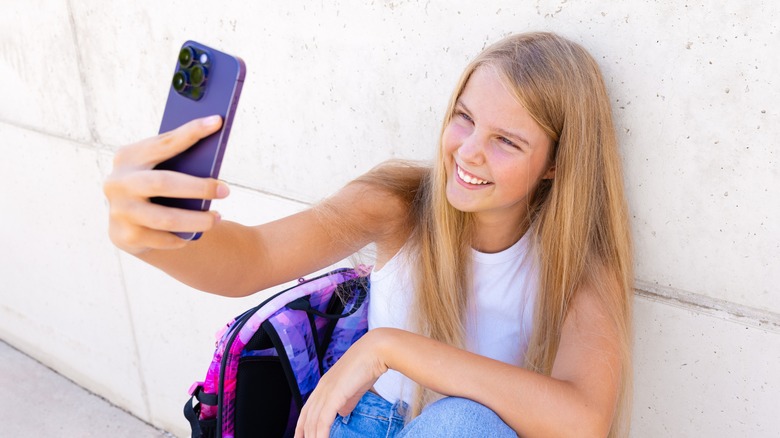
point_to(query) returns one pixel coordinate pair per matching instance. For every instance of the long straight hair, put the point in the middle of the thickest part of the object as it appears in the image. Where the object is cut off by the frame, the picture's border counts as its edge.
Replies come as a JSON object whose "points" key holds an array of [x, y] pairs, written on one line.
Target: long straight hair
{"points": [[579, 217]]}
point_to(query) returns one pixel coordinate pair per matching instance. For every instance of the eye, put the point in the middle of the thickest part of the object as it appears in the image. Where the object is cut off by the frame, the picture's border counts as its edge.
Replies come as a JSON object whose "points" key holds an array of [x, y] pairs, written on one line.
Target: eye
{"points": [[464, 116], [507, 141]]}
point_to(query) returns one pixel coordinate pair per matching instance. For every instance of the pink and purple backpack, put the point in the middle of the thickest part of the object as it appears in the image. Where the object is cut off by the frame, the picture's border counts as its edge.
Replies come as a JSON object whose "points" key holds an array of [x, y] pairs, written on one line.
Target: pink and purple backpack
{"points": [[269, 359]]}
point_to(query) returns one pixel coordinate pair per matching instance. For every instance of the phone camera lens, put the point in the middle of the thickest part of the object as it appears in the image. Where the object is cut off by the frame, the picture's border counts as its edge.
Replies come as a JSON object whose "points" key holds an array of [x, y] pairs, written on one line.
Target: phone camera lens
{"points": [[180, 81], [197, 75], [186, 55], [196, 93]]}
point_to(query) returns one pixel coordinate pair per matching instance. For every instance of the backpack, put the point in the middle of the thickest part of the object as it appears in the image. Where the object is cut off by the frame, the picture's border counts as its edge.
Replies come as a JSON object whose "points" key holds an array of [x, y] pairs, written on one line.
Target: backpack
{"points": [[269, 359]]}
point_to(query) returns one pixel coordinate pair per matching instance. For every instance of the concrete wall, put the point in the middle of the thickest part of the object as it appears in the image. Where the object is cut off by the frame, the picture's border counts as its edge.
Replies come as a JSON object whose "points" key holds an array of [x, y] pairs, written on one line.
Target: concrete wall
{"points": [[334, 88]]}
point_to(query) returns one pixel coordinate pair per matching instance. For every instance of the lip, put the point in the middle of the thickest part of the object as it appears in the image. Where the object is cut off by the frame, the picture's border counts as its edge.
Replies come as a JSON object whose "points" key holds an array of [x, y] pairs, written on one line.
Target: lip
{"points": [[469, 185]]}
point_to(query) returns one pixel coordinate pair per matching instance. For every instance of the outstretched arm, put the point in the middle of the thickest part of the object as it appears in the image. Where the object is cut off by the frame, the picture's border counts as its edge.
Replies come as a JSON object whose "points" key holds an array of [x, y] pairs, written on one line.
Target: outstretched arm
{"points": [[230, 259], [579, 398]]}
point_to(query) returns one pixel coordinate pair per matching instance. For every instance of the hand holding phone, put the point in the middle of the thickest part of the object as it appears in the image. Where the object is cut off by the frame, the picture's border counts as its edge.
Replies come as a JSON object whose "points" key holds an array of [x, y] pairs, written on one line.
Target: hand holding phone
{"points": [[189, 151], [205, 82], [137, 225]]}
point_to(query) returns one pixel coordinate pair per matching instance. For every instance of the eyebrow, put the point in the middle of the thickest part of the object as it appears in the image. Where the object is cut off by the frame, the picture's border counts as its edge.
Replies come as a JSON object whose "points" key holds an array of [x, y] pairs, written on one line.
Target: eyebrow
{"points": [[501, 131]]}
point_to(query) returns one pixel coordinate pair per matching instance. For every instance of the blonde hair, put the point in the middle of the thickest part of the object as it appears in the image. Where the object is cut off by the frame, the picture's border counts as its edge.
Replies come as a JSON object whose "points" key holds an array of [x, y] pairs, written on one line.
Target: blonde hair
{"points": [[579, 217]]}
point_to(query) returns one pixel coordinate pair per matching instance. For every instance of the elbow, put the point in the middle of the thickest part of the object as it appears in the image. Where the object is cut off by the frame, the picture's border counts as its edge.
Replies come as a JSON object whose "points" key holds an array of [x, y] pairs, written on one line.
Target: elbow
{"points": [[233, 292], [579, 418], [590, 423], [576, 423]]}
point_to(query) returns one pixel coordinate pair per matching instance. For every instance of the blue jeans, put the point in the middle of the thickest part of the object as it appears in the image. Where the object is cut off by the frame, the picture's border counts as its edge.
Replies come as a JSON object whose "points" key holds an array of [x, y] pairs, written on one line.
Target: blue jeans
{"points": [[449, 417]]}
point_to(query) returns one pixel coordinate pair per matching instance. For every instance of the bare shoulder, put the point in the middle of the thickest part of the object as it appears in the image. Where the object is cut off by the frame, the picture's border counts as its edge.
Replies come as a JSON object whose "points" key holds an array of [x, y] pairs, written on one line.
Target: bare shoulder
{"points": [[595, 296], [358, 214], [379, 205], [597, 312]]}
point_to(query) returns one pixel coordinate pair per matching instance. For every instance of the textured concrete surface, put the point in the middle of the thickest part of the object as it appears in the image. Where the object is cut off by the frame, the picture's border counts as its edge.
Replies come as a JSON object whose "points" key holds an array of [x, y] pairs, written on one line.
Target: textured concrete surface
{"points": [[38, 402], [703, 375], [332, 89], [68, 306]]}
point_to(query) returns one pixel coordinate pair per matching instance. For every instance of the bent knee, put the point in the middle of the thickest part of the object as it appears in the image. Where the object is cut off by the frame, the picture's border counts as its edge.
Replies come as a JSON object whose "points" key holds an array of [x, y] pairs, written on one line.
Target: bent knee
{"points": [[455, 416], [461, 406]]}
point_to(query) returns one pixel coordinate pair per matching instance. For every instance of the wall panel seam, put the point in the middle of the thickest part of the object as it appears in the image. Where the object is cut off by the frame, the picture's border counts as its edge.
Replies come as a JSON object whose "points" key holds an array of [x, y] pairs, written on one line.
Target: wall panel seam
{"points": [[270, 194], [88, 110], [698, 303], [134, 338], [85, 142]]}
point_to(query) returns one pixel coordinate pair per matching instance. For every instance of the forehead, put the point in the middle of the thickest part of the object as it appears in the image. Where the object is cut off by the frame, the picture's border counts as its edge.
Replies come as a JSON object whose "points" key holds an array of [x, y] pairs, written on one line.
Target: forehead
{"points": [[487, 91], [485, 76], [491, 100]]}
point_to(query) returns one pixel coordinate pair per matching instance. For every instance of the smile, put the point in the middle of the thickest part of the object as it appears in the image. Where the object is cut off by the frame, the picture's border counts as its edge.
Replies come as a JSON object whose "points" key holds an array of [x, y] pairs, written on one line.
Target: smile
{"points": [[470, 179]]}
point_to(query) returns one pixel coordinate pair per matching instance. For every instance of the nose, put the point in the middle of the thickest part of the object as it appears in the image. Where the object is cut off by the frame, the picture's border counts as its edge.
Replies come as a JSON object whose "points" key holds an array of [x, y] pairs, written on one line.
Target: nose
{"points": [[472, 150]]}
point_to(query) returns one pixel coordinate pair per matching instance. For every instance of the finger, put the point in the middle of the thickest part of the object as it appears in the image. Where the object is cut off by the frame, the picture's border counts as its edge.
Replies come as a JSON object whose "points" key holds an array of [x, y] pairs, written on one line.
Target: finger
{"points": [[308, 422], [299, 426], [325, 423], [169, 144], [137, 239], [154, 150], [306, 413], [312, 413], [170, 184], [319, 420], [158, 217]]}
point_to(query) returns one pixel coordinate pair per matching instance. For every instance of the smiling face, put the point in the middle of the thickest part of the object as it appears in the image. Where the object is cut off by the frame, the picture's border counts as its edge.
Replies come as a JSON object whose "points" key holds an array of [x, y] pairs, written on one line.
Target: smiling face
{"points": [[494, 152]]}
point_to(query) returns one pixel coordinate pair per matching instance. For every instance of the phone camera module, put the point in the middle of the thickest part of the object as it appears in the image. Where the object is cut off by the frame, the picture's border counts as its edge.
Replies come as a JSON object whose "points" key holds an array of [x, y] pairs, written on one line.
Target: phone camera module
{"points": [[186, 55], [192, 72]]}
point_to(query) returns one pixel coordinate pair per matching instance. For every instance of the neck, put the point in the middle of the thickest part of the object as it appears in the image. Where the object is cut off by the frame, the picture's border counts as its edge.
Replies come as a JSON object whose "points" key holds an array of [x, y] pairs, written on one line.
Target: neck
{"points": [[493, 235]]}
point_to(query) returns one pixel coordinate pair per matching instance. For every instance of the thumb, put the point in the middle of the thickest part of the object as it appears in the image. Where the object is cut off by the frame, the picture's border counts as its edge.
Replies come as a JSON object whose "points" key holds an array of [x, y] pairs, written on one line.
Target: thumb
{"points": [[174, 142], [350, 404]]}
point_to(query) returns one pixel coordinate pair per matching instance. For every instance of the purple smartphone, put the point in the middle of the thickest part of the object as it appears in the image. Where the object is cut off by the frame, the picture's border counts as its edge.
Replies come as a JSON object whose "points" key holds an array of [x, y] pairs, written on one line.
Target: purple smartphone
{"points": [[205, 82]]}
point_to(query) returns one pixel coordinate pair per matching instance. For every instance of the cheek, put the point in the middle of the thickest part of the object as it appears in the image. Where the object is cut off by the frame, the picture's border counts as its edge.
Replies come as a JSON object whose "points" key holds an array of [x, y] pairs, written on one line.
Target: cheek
{"points": [[519, 176], [452, 137]]}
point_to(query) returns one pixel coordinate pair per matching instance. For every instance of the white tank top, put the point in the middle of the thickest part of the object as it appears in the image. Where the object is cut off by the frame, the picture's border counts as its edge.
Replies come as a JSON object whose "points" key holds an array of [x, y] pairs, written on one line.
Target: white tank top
{"points": [[499, 319]]}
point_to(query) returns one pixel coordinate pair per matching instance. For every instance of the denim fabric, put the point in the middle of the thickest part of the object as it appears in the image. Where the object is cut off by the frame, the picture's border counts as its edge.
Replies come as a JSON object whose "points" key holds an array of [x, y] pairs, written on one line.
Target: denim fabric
{"points": [[457, 417], [372, 417], [448, 417]]}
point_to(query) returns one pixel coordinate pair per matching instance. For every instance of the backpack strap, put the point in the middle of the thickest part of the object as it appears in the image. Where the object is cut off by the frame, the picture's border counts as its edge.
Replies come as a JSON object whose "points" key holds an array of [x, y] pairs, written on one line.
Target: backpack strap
{"points": [[303, 304], [192, 413]]}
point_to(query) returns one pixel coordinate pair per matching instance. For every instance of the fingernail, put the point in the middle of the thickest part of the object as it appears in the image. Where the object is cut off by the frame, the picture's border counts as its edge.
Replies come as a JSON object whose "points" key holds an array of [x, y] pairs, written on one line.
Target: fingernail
{"points": [[222, 190], [211, 121], [217, 216]]}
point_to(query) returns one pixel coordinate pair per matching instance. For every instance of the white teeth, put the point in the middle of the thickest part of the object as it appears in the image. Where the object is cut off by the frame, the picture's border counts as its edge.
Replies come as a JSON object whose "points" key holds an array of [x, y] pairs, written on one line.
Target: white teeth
{"points": [[468, 178]]}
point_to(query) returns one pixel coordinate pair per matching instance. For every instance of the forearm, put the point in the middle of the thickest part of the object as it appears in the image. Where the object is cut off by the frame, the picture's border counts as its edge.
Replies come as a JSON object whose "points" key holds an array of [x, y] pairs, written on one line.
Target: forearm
{"points": [[237, 260], [219, 262], [532, 404]]}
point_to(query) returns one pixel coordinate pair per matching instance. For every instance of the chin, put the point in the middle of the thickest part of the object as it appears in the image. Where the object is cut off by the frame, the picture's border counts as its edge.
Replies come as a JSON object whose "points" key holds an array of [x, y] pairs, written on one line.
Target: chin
{"points": [[457, 204]]}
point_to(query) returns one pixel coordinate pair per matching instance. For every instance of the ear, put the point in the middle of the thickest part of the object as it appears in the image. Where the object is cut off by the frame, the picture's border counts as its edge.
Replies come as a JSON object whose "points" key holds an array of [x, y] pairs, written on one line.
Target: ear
{"points": [[550, 174]]}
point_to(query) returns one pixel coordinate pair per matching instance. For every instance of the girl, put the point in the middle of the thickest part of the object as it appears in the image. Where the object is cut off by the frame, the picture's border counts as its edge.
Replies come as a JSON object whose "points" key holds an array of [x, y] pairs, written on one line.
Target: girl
{"points": [[501, 298]]}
